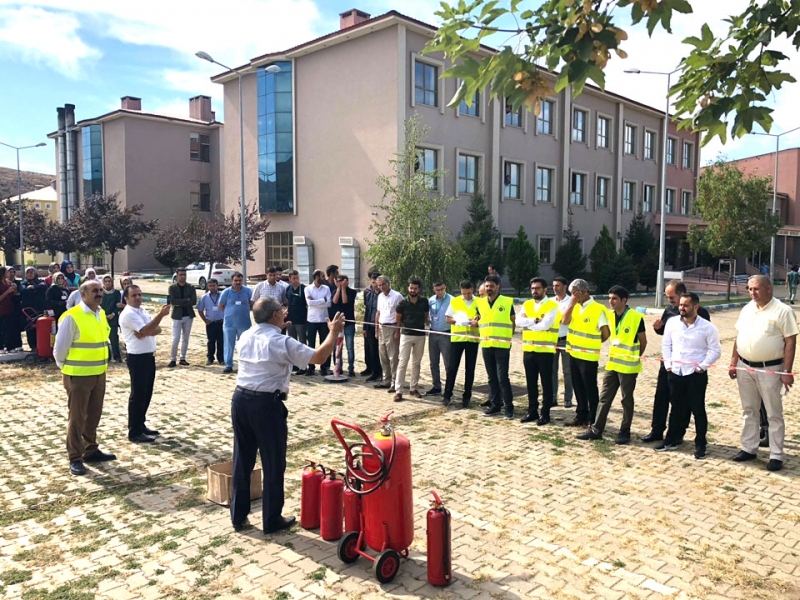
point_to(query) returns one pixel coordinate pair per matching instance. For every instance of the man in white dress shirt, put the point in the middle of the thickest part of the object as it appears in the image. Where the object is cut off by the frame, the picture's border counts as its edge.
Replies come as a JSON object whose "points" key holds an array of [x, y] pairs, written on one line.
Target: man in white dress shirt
{"points": [[318, 300], [387, 332]]}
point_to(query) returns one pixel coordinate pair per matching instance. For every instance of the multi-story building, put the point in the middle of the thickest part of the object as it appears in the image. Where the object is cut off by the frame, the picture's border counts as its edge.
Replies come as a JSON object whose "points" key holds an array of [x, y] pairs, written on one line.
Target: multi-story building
{"points": [[319, 133], [172, 166], [44, 199]]}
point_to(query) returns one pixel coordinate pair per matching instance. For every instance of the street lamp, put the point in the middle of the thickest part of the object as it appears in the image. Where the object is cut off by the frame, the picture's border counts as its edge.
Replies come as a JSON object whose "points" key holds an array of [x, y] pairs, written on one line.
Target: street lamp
{"points": [[777, 137], [662, 237], [243, 205], [19, 198]]}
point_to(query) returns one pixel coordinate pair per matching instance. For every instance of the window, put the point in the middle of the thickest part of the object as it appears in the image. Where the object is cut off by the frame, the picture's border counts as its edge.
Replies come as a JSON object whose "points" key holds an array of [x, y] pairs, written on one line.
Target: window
{"points": [[92, 154], [426, 84], [545, 250], [544, 184], [579, 125], [205, 197], [670, 207], [601, 198], [650, 144], [671, 151], [577, 189], [686, 201], [280, 250], [48, 207], [688, 155], [603, 132], [474, 109], [628, 194], [275, 140], [513, 117], [37, 206], [428, 162], [649, 196], [512, 176], [630, 139], [467, 174], [505, 241], [544, 122], [200, 147]]}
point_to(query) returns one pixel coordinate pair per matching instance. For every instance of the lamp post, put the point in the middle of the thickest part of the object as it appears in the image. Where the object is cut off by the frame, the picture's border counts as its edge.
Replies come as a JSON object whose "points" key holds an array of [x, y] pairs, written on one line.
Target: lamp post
{"points": [[242, 204], [777, 137], [19, 199], [662, 237]]}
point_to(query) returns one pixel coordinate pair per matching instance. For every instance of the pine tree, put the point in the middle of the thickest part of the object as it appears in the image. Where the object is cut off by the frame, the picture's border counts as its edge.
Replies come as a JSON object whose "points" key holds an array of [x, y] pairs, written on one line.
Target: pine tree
{"points": [[522, 260], [480, 240], [603, 253], [620, 271], [570, 261], [641, 245]]}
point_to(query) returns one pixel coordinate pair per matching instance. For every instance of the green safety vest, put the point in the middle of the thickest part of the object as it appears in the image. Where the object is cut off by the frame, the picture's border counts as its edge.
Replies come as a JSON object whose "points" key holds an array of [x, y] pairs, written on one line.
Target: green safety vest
{"points": [[464, 333], [541, 341], [88, 355], [583, 338], [623, 354], [495, 325]]}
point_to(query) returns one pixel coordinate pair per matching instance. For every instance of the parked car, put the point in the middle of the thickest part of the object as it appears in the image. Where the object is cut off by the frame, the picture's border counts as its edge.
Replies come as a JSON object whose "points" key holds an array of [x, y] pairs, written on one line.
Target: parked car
{"points": [[198, 274]]}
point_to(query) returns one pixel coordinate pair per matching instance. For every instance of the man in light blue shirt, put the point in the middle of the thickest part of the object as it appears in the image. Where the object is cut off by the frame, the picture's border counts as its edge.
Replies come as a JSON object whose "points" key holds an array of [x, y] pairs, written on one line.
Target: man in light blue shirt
{"points": [[235, 304], [439, 345]]}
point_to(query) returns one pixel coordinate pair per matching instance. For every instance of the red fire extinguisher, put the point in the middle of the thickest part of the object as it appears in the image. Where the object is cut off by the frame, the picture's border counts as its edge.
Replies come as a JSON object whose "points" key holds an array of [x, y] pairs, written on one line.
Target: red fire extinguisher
{"points": [[352, 507], [45, 336], [310, 489], [440, 567], [331, 508]]}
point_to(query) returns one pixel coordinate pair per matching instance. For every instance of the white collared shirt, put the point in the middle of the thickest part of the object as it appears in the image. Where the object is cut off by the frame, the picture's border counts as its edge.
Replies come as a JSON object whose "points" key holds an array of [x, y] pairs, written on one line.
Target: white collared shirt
{"points": [[685, 348], [387, 307], [131, 321], [74, 299], [563, 330], [318, 300], [544, 324], [266, 357], [762, 332], [68, 332]]}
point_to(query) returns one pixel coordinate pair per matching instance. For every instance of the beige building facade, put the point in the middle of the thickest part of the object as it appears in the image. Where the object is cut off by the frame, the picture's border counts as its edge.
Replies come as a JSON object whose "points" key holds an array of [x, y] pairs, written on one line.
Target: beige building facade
{"points": [[45, 200]]}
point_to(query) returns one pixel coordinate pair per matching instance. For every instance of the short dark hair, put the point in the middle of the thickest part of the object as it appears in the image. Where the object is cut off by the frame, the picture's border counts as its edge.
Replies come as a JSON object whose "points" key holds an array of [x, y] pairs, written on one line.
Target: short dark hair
{"points": [[272, 269], [492, 267], [374, 274], [694, 298], [180, 270], [493, 278], [540, 280], [438, 282], [128, 289], [680, 287], [293, 272], [620, 291], [466, 285], [237, 274], [213, 280], [415, 281], [279, 268], [331, 270], [561, 280], [317, 272]]}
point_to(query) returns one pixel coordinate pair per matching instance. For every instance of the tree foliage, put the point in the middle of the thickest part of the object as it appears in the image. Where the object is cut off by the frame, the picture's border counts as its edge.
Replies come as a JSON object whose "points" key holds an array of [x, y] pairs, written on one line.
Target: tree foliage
{"points": [[641, 246], [602, 254], [52, 238], [723, 82], [522, 261], [570, 261], [620, 271], [410, 238], [33, 220], [480, 240]]}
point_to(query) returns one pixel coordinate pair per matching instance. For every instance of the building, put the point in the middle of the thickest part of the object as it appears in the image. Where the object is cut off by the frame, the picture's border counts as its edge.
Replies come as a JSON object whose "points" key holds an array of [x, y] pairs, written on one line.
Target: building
{"points": [[319, 132], [172, 166], [44, 199]]}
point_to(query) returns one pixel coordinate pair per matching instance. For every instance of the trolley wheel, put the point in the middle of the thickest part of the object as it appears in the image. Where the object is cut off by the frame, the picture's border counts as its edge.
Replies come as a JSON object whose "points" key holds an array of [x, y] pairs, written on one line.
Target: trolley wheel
{"points": [[30, 358], [347, 550], [387, 563]]}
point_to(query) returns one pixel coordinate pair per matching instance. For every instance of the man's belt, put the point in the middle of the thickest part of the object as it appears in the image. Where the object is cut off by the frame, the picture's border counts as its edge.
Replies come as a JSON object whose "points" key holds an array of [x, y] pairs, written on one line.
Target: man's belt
{"points": [[261, 395], [761, 365]]}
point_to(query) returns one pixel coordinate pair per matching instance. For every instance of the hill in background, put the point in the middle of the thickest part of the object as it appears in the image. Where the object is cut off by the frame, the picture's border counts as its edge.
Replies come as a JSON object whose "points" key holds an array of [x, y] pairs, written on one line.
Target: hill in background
{"points": [[30, 181]]}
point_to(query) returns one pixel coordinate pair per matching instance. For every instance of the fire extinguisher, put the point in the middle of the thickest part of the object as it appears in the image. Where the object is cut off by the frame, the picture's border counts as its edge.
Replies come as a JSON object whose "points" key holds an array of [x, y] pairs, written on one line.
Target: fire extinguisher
{"points": [[352, 506], [310, 489], [331, 508], [440, 567]]}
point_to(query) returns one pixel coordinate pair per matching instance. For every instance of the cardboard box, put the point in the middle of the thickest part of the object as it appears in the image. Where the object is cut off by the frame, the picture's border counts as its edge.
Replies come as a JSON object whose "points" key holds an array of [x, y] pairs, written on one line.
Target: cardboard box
{"points": [[220, 483]]}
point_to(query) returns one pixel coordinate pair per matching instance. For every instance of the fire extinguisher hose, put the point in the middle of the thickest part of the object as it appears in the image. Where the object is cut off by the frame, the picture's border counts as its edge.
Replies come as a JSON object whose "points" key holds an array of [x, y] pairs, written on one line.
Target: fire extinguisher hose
{"points": [[357, 477]]}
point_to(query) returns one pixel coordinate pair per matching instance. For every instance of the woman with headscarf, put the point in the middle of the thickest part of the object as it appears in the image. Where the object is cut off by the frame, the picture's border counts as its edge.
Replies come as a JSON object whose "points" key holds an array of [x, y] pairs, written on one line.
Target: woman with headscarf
{"points": [[33, 292], [57, 295], [14, 325], [72, 277], [52, 269], [124, 284], [91, 275]]}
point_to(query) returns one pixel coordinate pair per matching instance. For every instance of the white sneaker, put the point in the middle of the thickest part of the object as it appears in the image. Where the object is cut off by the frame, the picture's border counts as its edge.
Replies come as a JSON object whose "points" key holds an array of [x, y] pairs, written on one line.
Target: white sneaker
{"points": [[2, 351]]}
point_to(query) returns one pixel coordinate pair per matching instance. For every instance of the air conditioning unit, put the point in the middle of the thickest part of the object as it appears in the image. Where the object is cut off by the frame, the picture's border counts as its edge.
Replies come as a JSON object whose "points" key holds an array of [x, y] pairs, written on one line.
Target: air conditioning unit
{"points": [[347, 241], [301, 240]]}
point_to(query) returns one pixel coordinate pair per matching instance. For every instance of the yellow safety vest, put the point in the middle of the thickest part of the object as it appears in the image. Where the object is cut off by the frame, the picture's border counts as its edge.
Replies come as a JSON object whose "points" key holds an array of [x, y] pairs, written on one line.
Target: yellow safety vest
{"points": [[541, 341], [88, 355], [464, 333], [623, 354], [495, 325], [583, 338]]}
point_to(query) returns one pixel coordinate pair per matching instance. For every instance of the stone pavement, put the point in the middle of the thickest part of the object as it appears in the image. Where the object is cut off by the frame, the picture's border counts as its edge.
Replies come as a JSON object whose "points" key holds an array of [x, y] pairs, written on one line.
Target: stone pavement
{"points": [[536, 513]]}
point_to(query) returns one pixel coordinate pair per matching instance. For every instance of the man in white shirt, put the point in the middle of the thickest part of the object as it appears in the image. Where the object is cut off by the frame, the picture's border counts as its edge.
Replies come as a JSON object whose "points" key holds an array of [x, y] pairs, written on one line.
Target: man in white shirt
{"points": [[766, 341], [560, 295], [139, 331], [318, 299], [690, 346], [74, 299], [387, 332], [272, 286], [466, 340]]}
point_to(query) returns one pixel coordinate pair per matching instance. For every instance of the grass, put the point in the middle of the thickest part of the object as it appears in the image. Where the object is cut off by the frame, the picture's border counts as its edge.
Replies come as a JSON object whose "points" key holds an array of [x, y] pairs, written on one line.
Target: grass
{"points": [[15, 576], [318, 575]]}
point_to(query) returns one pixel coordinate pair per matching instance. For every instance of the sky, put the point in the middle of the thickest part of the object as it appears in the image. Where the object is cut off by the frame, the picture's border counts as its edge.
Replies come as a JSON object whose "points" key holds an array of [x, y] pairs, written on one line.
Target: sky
{"points": [[94, 51]]}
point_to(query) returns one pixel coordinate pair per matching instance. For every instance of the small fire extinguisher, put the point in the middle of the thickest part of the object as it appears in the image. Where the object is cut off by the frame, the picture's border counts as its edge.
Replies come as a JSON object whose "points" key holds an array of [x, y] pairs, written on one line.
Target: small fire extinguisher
{"points": [[313, 474], [331, 511], [440, 567]]}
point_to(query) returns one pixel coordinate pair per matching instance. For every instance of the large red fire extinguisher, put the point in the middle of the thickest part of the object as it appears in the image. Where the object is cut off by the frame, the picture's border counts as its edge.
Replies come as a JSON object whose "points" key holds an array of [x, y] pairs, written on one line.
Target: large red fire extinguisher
{"points": [[45, 336], [440, 568], [352, 506], [331, 508], [310, 489]]}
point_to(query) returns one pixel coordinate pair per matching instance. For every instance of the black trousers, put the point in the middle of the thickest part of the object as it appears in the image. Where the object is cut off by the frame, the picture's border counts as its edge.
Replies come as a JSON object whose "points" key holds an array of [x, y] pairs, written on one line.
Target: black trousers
{"points": [[259, 425], [372, 356], [142, 369], [496, 362], [658, 424], [470, 352], [539, 365], [216, 341], [687, 394], [584, 384], [312, 331]]}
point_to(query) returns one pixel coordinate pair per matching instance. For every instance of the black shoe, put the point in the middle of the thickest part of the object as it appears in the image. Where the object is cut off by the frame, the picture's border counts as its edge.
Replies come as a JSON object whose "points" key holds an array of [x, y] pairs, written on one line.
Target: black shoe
{"points": [[281, 523], [222, 362], [590, 434], [366, 373], [543, 421], [529, 418], [76, 468], [243, 526], [666, 447], [382, 386], [323, 372], [509, 415], [295, 370], [434, 391], [744, 456], [183, 363], [763, 442], [99, 456], [652, 437], [209, 362], [446, 402], [141, 439], [372, 378], [623, 437], [492, 411], [465, 404], [700, 453], [485, 404], [554, 403], [351, 373], [227, 370], [300, 372], [153, 432], [172, 364], [774, 464], [568, 404], [310, 371]]}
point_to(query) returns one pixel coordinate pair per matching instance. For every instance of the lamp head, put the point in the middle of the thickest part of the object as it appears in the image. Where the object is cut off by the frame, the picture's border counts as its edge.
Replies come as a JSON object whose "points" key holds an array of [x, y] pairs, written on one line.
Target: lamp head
{"points": [[273, 69], [204, 56], [40, 145], [633, 71]]}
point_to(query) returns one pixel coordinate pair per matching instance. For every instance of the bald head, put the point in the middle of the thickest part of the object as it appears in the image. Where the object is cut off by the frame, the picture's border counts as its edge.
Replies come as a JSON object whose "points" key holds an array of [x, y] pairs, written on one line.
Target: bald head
{"points": [[92, 294], [760, 289]]}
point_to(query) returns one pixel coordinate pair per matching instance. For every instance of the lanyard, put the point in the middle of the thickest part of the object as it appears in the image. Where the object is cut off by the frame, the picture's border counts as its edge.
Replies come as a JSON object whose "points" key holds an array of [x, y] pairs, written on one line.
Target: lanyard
{"points": [[621, 318], [211, 297]]}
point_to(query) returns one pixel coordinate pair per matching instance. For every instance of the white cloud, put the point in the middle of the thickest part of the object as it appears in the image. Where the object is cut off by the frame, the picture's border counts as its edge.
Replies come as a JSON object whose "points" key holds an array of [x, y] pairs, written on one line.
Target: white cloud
{"points": [[176, 107]]}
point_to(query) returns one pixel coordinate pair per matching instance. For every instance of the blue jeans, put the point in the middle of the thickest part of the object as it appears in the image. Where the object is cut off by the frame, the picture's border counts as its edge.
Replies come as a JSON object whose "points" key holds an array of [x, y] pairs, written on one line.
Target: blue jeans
{"points": [[231, 334], [350, 342]]}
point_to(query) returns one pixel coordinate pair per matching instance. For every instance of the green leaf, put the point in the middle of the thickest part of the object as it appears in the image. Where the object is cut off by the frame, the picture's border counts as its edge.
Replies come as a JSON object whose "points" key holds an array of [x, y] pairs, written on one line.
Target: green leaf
{"points": [[681, 6]]}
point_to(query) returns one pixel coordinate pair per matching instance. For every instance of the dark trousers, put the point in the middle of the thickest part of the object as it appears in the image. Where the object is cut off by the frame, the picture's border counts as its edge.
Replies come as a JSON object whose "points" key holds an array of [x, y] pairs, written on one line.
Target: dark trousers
{"points": [[85, 396], [372, 357], [661, 405], [470, 352], [687, 394], [113, 340], [142, 369], [584, 384], [9, 332], [215, 346], [31, 335], [259, 424], [496, 362], [312, 331], [539, 365]]}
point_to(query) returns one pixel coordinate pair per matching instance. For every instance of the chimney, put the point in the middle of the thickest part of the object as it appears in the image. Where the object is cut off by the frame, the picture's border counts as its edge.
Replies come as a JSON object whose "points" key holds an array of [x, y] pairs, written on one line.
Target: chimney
{"points": [[352, 17], [200, 109], [130, 103]]}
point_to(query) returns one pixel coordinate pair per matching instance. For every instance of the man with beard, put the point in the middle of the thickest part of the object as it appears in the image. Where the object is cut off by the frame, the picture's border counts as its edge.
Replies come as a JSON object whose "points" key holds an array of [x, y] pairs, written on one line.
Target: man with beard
{"points": [[412, 318], [372, 357], [496, 325]]}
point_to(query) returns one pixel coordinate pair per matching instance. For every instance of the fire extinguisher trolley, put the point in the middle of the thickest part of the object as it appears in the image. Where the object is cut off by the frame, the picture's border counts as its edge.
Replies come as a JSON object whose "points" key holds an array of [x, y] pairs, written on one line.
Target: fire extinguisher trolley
{"points": [[380, 466]]}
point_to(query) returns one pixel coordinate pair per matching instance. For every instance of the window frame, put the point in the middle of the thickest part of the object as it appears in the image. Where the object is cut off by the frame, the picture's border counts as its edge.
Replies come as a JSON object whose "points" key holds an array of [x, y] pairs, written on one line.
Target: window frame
{"points": [[552, 240], [585, 179], [479, 178], [674, 141], [204, 149], [609, 132], [522, 116], [684, 145], [521, 178], [685, 210], [674, 192], [632, 198], [439, 150], [585, 132], [553, 117], [654, 149], [552, 184], [431, 62], [653, 201], [270, 260], [608, 180], [479, 105], [635, 129]]}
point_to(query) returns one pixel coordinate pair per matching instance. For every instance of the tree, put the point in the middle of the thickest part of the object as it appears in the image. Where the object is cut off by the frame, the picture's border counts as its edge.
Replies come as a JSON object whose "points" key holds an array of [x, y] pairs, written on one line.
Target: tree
{"points": [[480, 240], [734, 206], [641, 245], [33, 220], [620, 271], [720, 77], [603, 253], [52, 238], [102, 224], [410, 237], [522, 260], [570, 261], [175, 246]]}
